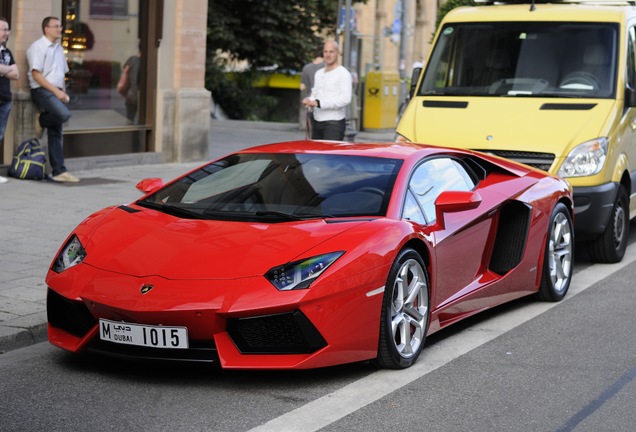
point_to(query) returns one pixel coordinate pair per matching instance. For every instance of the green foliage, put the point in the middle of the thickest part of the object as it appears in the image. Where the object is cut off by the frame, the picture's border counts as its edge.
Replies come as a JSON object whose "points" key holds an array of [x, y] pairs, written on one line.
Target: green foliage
{"points": [[235, 94], [279, 34], [448, 6]]}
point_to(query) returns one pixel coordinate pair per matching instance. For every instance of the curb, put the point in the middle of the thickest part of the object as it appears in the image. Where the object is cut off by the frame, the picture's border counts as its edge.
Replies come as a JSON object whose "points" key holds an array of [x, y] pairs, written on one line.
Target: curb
{"points": [[23, 338]]}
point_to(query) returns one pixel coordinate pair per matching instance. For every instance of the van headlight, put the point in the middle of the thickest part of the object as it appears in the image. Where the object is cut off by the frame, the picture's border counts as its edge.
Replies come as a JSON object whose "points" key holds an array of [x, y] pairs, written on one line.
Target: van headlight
{"points": [[585, 159]]}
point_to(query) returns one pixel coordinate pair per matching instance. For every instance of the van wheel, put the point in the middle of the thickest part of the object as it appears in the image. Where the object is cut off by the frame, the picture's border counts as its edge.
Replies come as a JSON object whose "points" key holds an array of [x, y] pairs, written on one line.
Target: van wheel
{"points": [[610, 246]]}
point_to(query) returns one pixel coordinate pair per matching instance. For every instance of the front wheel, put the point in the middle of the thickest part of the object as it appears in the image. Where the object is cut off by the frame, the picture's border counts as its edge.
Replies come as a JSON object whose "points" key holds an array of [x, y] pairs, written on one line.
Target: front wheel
{"points": [[559, 254], [610, 246], [405, 312]]}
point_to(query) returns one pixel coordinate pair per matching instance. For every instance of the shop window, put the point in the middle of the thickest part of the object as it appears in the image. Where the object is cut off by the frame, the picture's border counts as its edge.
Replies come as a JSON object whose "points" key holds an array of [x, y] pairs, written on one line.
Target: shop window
{"points": [[100, 38]]}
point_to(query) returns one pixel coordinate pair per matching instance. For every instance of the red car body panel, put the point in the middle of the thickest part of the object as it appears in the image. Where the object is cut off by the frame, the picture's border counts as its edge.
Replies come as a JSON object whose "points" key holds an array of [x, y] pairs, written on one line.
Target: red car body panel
{"points": [[206, 272]]}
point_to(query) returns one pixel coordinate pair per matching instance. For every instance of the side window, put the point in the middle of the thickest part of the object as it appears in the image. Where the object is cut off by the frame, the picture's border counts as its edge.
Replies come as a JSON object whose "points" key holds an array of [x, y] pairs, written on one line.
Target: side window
{"points": [[631, 64], [432, 178], [412, 209]]}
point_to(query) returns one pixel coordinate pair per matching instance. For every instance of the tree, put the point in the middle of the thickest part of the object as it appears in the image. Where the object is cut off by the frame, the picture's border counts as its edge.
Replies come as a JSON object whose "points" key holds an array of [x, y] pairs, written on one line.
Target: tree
{"points": [[448, 6], [269, 32], [275, 34]]}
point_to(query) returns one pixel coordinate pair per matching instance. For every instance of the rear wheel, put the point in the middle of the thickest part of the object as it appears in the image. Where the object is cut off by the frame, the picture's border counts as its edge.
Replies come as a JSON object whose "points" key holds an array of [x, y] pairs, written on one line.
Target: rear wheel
{"points": [[610, 246], [559, 254], [405, 312]]}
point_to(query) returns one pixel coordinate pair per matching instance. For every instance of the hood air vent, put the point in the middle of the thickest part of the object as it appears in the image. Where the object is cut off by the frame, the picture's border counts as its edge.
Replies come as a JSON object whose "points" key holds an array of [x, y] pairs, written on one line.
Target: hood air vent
{"points": [[567, 106], [444, 104]]}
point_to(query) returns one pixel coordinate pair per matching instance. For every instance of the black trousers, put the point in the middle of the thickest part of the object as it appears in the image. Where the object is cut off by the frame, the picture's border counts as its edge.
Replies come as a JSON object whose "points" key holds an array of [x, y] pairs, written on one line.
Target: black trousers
{"points": [[328, 130]]}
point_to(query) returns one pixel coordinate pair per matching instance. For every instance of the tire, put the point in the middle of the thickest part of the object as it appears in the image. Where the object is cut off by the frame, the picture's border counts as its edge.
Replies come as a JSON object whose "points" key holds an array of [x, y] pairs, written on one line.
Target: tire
{"points": [[610, 246], [559, 256], [405, 312]]}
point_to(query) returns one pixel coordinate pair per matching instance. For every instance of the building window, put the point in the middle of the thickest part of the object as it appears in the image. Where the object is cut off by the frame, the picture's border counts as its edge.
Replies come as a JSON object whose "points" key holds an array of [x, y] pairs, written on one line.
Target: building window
{"points": [[102, 39]]}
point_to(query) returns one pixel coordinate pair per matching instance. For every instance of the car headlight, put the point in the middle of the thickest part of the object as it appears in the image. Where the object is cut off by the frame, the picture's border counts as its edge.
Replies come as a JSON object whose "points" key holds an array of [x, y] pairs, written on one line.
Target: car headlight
{"points": [[585, 159], [300, 274], [71, 254]]}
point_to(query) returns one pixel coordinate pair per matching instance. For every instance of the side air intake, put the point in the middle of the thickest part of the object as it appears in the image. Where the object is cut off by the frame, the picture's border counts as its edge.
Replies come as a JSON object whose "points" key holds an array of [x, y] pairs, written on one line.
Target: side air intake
{"points": [[512, 235]]}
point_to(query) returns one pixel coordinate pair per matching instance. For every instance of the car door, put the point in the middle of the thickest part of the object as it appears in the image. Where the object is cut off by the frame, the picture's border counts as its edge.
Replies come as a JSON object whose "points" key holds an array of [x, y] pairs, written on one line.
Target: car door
{"points": [[462, 240]]}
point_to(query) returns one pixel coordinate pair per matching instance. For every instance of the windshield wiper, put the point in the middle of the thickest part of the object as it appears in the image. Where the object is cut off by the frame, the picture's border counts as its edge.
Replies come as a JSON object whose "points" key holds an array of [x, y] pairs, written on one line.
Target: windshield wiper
{"points": [[279, 214], [171, 210]]}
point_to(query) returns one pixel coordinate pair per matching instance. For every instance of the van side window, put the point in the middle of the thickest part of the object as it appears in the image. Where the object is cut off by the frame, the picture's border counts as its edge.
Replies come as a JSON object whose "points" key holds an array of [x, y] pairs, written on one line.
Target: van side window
{"points": [[631, 64]]}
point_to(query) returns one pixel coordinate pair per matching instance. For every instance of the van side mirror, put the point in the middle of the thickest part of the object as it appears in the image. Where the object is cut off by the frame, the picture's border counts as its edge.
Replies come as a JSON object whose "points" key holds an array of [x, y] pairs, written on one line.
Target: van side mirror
{"points": [[630, 96], [415, 76]]}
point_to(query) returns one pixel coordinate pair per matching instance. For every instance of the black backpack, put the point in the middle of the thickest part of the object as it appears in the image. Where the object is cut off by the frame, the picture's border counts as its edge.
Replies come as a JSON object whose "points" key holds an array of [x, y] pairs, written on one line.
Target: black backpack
{"points": [[29, 161]]}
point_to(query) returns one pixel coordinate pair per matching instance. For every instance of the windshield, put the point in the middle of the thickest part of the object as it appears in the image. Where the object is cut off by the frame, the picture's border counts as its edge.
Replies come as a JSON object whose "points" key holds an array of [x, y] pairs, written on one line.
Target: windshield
{"points": [[281, 187], [545, 59]]}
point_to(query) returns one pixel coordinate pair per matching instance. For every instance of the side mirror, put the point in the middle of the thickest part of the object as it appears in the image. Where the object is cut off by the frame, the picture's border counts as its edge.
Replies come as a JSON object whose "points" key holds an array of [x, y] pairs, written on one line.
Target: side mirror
{"points": [[630, 97], [415, 76], [149, 185], [455, 201]]}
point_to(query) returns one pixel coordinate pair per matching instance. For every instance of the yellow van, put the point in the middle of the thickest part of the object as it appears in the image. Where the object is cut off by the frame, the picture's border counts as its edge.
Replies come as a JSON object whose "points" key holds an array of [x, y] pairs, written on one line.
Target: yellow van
{"points": [[549, 85]]}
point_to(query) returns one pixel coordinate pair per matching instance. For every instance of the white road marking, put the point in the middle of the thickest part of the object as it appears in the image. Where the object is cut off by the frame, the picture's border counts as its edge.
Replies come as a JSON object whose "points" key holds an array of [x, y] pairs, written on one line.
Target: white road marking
{"points": [[334, 406]]}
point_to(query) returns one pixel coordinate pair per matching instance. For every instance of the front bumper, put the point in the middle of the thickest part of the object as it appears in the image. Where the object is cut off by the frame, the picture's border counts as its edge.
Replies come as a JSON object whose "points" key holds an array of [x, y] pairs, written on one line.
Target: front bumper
{"points": [[592, 209], [244, 324], [283, 333]]}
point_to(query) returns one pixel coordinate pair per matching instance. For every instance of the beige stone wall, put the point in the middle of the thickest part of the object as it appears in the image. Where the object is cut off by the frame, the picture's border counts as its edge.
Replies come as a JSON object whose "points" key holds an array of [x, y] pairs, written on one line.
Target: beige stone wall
{"points": [[190, 34], [183, 108]]}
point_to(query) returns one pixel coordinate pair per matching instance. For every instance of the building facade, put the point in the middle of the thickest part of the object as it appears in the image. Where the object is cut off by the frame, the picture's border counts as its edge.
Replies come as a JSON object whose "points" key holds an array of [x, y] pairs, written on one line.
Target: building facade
{"points": [[392, 35], [165, 115]]}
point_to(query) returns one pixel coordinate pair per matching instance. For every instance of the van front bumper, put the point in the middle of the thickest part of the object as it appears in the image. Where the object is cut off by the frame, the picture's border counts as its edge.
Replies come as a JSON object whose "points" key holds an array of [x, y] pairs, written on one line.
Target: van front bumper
{"points": [[592, 209]]}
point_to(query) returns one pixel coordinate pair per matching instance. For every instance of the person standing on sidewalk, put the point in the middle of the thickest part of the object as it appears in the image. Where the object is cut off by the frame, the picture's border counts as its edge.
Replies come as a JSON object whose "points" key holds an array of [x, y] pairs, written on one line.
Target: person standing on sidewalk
{"points": [[330, 96], [8, 71], [47, 68], [307, 84]]}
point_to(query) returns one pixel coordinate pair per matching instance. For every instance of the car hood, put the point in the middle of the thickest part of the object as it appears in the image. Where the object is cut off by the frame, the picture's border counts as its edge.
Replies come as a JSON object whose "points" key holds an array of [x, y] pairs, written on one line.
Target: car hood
{"points": [[521, 124], [147, 242]]}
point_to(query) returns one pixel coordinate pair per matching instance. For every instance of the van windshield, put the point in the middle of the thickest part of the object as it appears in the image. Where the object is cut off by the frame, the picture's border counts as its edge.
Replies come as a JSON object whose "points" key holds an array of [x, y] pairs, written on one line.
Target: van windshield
{"points": [[541, 59]]}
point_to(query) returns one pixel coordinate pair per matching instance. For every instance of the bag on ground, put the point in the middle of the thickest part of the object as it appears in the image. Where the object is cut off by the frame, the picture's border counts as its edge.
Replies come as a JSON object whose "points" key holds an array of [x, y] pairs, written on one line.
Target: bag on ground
{"points": [[29, 161]]}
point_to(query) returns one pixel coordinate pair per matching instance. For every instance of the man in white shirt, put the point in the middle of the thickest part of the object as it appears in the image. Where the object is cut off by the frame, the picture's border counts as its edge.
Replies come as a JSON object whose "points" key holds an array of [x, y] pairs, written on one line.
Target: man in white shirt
{"points": [[330, 97], [47, 68]]}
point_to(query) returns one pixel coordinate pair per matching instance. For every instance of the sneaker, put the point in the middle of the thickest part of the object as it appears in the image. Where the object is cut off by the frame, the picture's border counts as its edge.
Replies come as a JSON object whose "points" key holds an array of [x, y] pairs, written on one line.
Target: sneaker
{"points": [[39, 131], [65, 177], [3, 180]]}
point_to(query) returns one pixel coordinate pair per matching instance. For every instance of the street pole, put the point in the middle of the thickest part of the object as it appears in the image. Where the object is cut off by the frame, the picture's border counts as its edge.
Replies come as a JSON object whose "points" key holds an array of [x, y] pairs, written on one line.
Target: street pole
{"points": [[403, 35], [352, 117], [346, 60]]}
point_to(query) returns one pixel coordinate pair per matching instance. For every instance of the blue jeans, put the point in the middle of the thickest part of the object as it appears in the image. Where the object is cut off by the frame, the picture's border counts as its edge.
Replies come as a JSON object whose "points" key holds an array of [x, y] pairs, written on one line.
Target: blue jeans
{"points": [[5, 110], [53, 115]]}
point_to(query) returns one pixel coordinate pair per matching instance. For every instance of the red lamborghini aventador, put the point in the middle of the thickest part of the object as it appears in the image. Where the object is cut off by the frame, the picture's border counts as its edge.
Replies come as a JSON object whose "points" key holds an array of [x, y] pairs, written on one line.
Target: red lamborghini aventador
{"points": [[308, 254]]}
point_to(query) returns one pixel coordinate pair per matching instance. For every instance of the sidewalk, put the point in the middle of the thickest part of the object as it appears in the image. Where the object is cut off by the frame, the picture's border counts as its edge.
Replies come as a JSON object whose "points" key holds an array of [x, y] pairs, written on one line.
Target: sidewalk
{"points": [[36, 217]]}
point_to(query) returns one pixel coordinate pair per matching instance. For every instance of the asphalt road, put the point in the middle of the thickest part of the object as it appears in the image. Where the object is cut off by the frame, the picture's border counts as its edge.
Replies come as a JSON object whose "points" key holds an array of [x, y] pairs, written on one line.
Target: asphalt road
{"points": [[527, 366]]}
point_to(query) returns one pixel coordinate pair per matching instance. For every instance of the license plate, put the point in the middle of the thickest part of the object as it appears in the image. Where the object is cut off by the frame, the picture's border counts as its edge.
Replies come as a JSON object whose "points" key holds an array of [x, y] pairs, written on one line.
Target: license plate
{"points": [[143, 335]]}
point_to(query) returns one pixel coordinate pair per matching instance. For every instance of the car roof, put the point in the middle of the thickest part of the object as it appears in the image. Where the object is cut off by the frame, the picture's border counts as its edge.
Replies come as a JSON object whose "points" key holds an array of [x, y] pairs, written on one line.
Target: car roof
{"points": [[397, 150], [411, 153]]}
